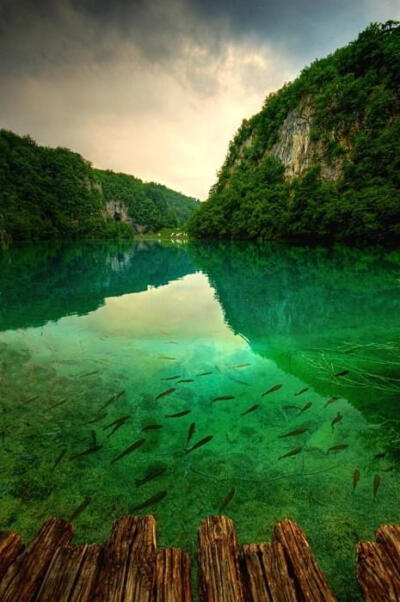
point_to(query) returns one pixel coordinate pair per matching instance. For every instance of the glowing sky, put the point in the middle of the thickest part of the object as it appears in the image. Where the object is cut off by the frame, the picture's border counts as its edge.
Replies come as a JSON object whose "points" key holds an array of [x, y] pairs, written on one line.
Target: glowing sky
{"points": [[157, 88]]}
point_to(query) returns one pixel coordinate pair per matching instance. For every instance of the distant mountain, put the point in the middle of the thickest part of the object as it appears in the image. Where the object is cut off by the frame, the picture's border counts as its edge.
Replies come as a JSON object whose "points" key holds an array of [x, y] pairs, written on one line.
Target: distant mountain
{"points": [[321, 160], [55, 193]]}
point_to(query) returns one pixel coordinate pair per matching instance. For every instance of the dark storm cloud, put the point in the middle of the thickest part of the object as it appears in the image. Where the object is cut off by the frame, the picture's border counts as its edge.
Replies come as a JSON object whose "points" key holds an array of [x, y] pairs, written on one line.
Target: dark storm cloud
{"points": [[160, 28]]}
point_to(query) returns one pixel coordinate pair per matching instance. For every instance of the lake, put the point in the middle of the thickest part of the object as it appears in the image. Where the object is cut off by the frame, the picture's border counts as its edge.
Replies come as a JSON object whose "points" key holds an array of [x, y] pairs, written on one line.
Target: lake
{"points": [[103, 344]]}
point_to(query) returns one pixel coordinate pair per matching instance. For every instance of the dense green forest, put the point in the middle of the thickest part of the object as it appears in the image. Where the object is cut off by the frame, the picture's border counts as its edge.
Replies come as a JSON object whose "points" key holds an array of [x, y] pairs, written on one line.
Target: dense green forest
{"points": [[55, 193], [148, 203], [350, 188]]}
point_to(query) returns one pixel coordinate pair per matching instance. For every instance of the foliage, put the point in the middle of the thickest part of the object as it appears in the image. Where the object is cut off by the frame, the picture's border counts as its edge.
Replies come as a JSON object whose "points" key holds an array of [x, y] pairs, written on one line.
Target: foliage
{"points": [[148, 203], [54, 193], [354, 95]]}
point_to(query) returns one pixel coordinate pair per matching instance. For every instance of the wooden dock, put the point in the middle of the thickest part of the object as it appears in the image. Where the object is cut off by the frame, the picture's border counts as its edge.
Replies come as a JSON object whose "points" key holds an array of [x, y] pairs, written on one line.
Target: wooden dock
{"points": [[130, 568]]}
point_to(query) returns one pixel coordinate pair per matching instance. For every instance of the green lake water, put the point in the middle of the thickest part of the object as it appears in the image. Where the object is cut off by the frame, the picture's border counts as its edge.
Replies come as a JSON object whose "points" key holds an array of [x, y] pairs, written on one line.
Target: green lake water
{"points": [[80, 323]]}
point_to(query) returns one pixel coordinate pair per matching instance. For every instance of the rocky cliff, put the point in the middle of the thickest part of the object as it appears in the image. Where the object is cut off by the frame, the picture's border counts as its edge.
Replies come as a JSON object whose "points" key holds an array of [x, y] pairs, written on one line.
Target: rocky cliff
{"points": [[321, 160]]}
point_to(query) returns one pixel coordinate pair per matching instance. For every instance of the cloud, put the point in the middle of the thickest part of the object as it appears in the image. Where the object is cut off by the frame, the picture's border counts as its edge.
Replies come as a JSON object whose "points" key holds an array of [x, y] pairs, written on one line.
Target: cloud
{"points": [[157, 88]]}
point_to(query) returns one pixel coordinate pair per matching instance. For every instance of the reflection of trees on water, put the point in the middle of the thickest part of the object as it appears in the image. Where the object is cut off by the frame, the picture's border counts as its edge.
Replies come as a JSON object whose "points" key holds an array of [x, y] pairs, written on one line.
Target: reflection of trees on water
{"points": [[314, 311], [47, 282]]}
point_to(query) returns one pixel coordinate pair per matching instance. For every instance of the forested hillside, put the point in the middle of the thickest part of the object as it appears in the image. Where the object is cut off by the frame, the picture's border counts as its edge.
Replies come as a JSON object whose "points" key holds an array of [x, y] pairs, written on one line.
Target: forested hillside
{"points": [[147, 203], [55, 193], [321, 160]]}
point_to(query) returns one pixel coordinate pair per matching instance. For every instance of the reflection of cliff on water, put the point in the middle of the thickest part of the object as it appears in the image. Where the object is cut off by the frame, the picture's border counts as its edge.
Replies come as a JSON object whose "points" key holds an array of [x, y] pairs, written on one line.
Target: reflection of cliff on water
{"points": [[316, 312], [49, 281]]}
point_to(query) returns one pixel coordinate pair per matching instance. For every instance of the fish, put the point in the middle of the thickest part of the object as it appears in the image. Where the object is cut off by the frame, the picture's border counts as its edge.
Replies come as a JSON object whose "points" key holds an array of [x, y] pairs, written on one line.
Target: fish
{"points": [[152, 427], [251, 409], [242, 365], [291, 407], [306, 407], [97, 418], [340, 447], [271, 390], [227, 499], [336, 420], [119, 420], [150, 475], [298, 431], [379, 456], [204, 373], [111, 400], [165, 393], [178, 414], [377, 482], [223, 398], [172, 342], [90, 450], [292, 452], [80, 509], [199, 444], [166, 357], [129, 450], [116, 428], [342, 373], [302, 391], [30, 399], [331, 400], [191, 431], [60, 403], [89, 374], [60, 457], [152, 500], [172, 377], [186, 380], [356, 477]]}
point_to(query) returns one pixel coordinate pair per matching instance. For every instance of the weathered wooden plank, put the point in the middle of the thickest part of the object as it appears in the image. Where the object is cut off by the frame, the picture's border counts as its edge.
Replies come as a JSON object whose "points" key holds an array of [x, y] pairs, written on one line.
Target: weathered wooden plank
{"points": [[10, 546], [218, 561], [377, 580], [71, 575], [128, 567], [389, 537], [310, 582], [267, 577], [172, 581], [23, 578], [88, 575]]}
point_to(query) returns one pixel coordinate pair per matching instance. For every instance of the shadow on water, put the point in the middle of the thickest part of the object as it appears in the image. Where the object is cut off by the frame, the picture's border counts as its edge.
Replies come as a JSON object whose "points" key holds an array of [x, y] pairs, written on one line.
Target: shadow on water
{"points": [[91, 335]]}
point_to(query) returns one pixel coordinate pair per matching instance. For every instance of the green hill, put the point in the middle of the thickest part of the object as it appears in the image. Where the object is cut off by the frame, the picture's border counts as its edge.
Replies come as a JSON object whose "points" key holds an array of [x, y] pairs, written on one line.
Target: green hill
{"points": [[321, 160], [55, 193]]}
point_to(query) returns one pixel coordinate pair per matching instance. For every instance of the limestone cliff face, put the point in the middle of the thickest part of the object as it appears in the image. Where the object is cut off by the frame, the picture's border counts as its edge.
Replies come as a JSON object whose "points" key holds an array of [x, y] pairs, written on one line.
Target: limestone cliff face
{"points": [[118, 211], [295, 148]]}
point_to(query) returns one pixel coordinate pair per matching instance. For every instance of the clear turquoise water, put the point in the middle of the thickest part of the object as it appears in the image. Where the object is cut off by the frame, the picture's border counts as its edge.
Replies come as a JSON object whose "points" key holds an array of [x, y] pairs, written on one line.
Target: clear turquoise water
{"points": [[82, 322]]}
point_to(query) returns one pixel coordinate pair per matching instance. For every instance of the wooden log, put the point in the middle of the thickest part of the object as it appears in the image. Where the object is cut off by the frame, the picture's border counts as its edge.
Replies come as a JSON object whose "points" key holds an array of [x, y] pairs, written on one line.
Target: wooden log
{"points": [[72, 574], [10, 546], [375, 575], [267, 577], [389, 537], [218, 561], [128, 567], [23, 578], [172, 580], [310, 582]]}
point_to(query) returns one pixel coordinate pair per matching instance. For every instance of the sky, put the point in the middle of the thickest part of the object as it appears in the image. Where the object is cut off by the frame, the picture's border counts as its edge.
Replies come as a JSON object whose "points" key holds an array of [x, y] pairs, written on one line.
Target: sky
{"points": [[157, 88]]}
